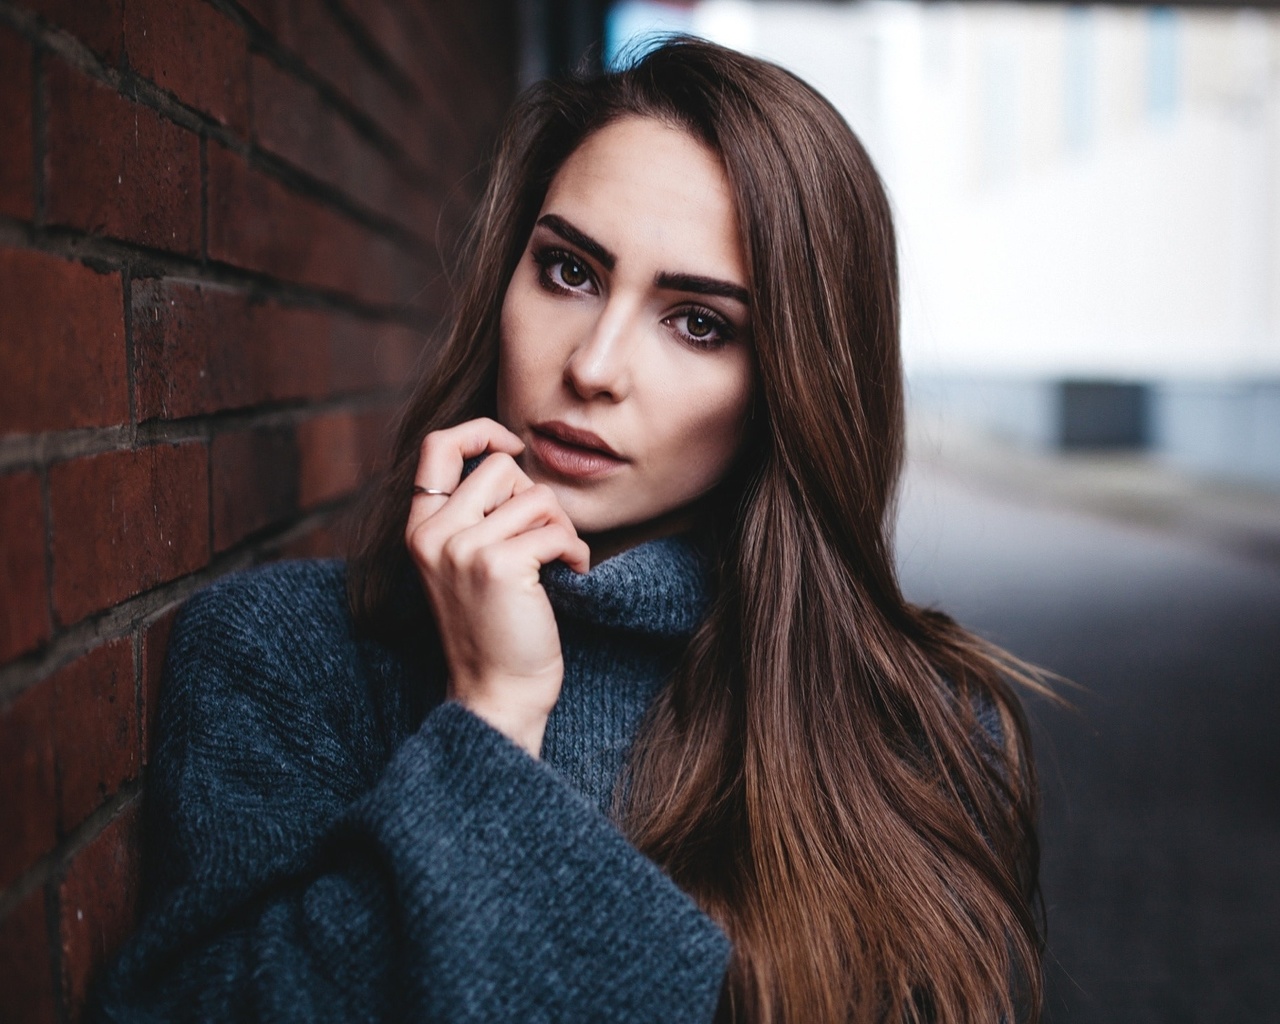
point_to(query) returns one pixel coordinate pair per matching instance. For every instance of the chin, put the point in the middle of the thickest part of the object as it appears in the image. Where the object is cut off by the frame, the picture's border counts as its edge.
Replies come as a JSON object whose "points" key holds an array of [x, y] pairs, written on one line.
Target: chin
{"points": [[588, 520], [587, 514]]}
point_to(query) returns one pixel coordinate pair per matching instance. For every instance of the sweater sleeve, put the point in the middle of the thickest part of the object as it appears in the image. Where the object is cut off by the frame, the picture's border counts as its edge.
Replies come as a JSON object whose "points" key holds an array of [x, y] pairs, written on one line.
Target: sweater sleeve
{"points": [[300, 876]]}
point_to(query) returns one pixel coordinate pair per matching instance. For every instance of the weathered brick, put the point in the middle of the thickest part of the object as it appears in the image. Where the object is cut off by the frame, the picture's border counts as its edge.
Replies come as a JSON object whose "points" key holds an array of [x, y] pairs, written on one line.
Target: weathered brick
{"points": [[26, 973], [25, 595], [155, 642], [30, 789], [190, 349], [125, 521], [257, 223], [338, 452], [98, 904], [17, 180], [99, 25], [254, 477], [96, 729], [118, 168], [193, 51], [62, 353], [199, 350], [291, 120]]}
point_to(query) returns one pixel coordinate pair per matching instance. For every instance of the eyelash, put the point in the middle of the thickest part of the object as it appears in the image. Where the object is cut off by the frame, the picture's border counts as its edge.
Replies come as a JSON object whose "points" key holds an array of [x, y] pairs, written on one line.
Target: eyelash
{"points": [[550, 257]]}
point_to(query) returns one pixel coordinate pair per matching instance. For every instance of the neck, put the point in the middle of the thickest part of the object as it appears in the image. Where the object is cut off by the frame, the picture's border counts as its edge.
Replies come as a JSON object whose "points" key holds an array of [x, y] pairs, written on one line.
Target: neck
{"points": [[608, 543]]}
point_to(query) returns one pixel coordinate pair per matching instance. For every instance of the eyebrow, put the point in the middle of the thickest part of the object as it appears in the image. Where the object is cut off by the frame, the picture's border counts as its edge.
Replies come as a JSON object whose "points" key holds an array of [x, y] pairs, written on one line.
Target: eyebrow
{"points": [[663, 279], [702, 286], [579, 238]]}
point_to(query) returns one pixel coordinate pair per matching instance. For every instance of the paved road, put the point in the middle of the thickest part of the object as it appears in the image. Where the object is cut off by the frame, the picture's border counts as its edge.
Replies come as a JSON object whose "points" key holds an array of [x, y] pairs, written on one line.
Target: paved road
{"points": [[1161, 826]]}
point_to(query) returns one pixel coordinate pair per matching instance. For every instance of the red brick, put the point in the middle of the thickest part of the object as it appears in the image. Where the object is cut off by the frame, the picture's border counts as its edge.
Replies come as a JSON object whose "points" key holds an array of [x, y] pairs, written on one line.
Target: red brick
{"points": [[96, 729], [338, 452], [201, 350], [118, 168], [386, 27], [99, 25], [125, 521], [414, 122], [155, 642], [98, 904], [254, 477], [30, 793], [465, 71], [62, 352], [310, 30], [25, 596], [257, 223], [272, 15], [17, 181], [188, 48], [371, 356], [292, 121], [26, 974]]}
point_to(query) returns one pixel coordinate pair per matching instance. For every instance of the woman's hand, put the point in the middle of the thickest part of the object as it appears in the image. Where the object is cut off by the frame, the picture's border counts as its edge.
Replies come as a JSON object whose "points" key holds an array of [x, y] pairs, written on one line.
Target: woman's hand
{"points": [[478, 552]]}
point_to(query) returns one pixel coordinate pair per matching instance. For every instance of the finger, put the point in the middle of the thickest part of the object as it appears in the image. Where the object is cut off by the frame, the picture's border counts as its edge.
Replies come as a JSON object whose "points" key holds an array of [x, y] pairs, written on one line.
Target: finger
{"points": [[496, 480], [545, 544], [443, 452], [441, 457], [493, 482], [534, 507]]}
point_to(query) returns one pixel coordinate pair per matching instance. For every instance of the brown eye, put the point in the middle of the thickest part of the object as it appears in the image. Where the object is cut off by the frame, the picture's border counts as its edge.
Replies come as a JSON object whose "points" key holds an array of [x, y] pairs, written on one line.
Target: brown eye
{"points": [[573, 273], [698, 325]]}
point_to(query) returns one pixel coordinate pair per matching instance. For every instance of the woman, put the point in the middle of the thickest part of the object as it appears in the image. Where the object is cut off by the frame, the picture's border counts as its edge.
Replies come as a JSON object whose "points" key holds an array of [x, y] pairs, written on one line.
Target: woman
{"points": [[618, 712]]}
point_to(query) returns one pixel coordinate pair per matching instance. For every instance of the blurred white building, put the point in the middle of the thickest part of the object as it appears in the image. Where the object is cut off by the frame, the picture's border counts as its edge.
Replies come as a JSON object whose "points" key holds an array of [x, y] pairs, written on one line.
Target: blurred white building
{"points": [[1088, 204]]}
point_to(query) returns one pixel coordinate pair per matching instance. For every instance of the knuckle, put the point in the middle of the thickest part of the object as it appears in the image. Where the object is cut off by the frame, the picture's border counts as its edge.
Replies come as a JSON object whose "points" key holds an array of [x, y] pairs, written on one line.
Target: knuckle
{"points": [[487, 564], [431, 450], [502, 461], [421, 543], [453, 551]]}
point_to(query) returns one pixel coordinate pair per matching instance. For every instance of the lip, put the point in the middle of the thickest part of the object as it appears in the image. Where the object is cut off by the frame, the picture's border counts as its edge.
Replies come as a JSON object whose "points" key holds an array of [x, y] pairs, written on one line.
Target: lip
{"points": [[571, 453], [576, 437]]}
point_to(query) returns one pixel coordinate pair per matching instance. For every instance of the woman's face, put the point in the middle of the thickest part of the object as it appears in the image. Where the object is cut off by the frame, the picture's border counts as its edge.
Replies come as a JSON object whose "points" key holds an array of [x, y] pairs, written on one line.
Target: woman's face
{"points": [[625, 329]]}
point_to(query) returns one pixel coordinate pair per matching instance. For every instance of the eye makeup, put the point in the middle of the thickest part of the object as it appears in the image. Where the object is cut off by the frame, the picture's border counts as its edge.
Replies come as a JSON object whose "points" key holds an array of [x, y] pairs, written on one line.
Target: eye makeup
{"points": [[722, 330], [549, 258], [558, 272]]}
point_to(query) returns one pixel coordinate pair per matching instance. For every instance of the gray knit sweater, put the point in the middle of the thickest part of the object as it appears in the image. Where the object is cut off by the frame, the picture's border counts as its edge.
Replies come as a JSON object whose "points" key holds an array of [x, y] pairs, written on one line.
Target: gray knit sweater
{"points": [[319, 850]]}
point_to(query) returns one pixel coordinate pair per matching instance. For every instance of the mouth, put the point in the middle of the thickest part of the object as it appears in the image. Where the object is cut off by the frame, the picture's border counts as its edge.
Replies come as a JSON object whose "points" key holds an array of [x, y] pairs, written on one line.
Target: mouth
{"points": [[571, 453]]}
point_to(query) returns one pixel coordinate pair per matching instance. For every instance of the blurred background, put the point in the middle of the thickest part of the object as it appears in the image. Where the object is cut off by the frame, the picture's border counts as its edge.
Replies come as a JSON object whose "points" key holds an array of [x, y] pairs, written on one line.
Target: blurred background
{"points": [[225, 237]]}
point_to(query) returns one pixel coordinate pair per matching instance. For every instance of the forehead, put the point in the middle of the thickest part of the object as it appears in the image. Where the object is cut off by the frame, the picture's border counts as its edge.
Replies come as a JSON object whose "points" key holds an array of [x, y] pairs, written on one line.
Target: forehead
{"points": [[652, 193]]}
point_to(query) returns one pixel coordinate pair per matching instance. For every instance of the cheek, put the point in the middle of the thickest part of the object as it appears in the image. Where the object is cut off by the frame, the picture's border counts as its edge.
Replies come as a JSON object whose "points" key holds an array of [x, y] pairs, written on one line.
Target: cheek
{"points": [[706, 424], [517, 369]]}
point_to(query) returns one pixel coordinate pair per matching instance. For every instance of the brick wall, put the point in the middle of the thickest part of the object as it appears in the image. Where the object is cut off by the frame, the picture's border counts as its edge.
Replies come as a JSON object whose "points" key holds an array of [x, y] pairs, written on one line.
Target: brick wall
{"points": [[219, 233]]}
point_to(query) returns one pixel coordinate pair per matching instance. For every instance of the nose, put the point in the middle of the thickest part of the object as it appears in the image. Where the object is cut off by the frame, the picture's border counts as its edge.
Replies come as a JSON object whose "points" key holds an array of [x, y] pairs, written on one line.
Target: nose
{"points": [[601, 364]]}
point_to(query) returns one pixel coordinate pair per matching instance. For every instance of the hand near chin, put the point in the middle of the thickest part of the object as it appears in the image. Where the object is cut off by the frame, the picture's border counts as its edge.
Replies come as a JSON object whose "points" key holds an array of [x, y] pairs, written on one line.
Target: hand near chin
{"points": [[479, 551]]}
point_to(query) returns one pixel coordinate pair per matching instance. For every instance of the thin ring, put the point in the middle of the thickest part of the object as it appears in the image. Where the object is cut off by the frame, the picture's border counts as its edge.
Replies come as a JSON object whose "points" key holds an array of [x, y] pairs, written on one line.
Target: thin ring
{"points": [[429, 490]]}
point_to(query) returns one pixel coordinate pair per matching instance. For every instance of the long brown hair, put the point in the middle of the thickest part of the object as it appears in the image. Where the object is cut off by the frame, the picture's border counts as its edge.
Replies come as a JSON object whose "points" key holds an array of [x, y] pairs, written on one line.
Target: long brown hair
{"points": [[840, 779]]}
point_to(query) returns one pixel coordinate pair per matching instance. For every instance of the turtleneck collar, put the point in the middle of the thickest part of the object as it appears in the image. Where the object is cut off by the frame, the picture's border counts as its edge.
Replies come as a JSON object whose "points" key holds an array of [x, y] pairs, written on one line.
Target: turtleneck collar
{"points": [[660, 587]]}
